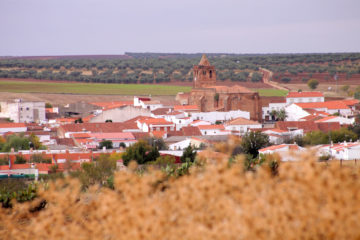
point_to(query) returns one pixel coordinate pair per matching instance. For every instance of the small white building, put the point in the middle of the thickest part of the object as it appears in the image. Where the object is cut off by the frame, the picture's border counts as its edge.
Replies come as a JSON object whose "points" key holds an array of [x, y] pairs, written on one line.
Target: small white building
{"points": [[241, 125], [21, 111], [212, 117], [287, 152], [339, 119], [194, 142], [155, 124], [342, 151], [266, 111], [12, 127], [213, 130], [294, 112], [304, 97]]}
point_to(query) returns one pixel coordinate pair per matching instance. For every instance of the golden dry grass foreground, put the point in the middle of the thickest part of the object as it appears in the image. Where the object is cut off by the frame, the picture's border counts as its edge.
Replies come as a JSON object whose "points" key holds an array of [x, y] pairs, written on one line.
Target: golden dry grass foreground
{"points": [[307, 200]]}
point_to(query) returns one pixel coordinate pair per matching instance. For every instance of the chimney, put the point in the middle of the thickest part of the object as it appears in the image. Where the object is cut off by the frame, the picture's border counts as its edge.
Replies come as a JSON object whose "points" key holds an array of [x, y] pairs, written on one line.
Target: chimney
{"points": [[104, 149], [345, 143]]}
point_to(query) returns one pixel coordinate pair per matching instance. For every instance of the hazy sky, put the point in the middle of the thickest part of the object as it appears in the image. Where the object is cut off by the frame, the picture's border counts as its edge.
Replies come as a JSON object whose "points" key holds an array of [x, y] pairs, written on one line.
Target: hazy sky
{"points": [[62, 27]]}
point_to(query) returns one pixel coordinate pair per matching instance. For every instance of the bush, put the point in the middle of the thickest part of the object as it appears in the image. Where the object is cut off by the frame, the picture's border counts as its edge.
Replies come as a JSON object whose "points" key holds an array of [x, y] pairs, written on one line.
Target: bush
{"points": [[313, 83], [20, 159], [285, 79]]}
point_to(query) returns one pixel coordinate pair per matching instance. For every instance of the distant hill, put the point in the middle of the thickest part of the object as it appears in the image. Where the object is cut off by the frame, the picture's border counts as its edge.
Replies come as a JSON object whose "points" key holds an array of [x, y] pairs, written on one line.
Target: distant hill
{"points": [[176, 67]]}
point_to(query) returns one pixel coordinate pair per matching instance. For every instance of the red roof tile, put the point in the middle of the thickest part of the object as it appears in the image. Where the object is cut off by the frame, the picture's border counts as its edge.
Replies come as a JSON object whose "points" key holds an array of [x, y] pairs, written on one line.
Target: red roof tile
{"points": [[94, 127], [328, 105], [186, 108], [304, 94], [191, 131], [12, 125]]}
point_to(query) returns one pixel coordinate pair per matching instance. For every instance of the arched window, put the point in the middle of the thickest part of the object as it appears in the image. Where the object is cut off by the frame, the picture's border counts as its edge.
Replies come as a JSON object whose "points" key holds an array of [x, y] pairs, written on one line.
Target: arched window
{"points": [[210, 72]]}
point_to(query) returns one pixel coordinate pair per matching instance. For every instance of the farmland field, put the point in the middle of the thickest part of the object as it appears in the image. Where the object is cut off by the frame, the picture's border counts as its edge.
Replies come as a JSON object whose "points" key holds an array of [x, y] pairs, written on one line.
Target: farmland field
{"points": [[270, 92], [90, 88]]}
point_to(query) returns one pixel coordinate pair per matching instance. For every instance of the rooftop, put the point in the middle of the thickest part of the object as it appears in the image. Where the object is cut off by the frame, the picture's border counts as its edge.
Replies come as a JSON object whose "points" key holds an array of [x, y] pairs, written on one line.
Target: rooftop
{"points": [[304, 94], [242, 121]]}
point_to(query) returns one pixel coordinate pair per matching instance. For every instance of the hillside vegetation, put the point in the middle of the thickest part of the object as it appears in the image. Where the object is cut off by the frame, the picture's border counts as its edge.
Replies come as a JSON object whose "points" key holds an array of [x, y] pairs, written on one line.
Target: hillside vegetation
{"points": [[160, 68], [215, 200]]}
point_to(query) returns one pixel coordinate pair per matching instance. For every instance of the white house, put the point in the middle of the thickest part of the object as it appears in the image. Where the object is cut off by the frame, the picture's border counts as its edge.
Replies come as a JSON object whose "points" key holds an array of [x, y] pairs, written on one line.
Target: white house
{"points": [[155, 124], [213, 130], [294, 112], [339, 119], [331, 107], [181, 145], [304, 97], [12, 127], [277, 136], [219, 116], [22, 112], [199, 122], [272, 107], [241, 125], [342, 151], [287, 152]]}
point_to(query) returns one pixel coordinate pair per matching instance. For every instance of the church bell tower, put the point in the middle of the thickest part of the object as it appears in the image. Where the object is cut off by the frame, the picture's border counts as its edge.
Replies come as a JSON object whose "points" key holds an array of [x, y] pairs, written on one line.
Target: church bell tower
{"points": [[204, 73]]}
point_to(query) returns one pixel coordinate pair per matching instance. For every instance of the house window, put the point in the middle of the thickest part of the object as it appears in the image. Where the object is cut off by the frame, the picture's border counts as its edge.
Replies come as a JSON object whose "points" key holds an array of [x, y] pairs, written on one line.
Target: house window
{"points": [[21, 109], [27, 109], [205, 132]]}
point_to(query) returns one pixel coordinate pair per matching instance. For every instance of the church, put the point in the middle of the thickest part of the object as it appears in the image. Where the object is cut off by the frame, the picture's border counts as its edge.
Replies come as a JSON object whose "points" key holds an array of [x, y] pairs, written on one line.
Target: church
{"points": [[210, 97]]}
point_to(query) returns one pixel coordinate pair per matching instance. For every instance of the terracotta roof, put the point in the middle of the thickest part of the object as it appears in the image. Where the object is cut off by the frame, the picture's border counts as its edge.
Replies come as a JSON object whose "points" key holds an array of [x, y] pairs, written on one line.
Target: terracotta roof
{"points": [[205, 127], [115, 135], [350, 102], [191, 131], [160, 111], [307, 126], [4, 167], [155, 121], [204, 61], [12, 125], [94, 127], [109, 105], [186, 107], [274, 147], [65, 141], [158, 134], [326, 118], [328, 126], [242, 121], [43, 166], [20, 166], [140, 135], [328, 105], [80, 135], [304, 94]]}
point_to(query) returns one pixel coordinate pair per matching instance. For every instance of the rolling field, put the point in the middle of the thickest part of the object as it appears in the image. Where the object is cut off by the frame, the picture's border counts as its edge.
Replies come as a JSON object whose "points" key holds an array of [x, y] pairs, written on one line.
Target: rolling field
{"points": [[90, 88], [270, 92]]}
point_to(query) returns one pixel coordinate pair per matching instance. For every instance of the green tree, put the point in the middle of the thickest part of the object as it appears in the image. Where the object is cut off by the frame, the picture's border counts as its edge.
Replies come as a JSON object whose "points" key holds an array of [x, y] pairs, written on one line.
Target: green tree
{"points": [[313, 83], [97, 172], [189, 154], [16, 142], [253, 141], [48, 105], [20, 159], [141, 152], [106, 143], [35, 141], [315, 138], [281, 115], [345, 88]]}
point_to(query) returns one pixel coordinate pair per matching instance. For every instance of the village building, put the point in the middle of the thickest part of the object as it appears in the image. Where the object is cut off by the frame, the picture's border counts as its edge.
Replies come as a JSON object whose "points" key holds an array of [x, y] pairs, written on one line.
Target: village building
{"points": [[21, 111], [304, 97], [210, 97]]}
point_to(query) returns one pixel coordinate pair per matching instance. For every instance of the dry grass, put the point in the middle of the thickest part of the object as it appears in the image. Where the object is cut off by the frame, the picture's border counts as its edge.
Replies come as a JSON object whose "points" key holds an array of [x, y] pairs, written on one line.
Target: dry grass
{"points": [[306, 200]]}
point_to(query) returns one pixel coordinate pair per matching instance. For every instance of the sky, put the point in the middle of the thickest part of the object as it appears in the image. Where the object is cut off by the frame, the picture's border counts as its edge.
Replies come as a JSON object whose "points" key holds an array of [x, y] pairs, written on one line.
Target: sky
{"points": [[78, 27]]}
